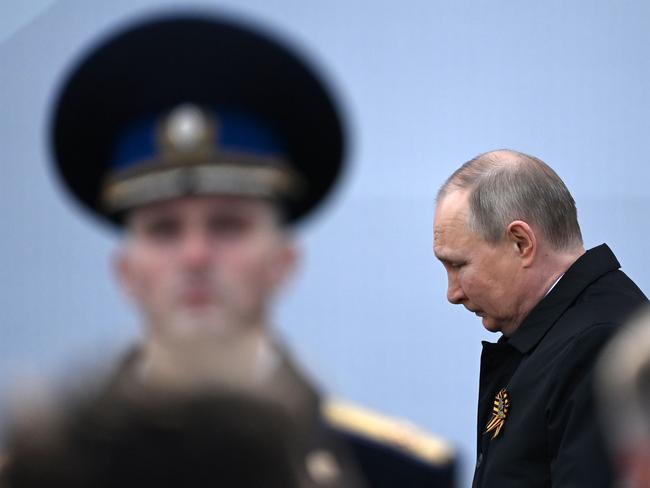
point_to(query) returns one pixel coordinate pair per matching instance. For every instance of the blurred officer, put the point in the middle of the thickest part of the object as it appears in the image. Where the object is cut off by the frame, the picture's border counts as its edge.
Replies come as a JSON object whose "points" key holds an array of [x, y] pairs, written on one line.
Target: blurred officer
{"points": [[507, 233], [623, 381], [205, 141]]}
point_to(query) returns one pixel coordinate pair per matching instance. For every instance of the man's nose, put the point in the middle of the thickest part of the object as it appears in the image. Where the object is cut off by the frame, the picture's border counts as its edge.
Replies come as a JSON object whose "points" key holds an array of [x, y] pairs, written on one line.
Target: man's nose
{"points": [[196, 249], [455, 293]]}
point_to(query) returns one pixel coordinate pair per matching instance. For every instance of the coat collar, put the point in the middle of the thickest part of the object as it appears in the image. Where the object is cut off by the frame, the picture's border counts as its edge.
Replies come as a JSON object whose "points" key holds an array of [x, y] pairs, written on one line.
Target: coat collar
{"points": [[584, 271]]}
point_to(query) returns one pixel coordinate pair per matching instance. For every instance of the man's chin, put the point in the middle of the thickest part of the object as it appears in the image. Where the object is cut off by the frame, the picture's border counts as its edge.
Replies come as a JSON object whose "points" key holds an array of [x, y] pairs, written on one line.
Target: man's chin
{"points": [[201, 323], [490, 325]]}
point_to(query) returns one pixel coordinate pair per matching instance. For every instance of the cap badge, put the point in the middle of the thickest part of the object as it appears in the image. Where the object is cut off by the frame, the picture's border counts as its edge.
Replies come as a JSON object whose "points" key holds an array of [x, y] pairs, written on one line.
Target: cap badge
{"points": [[187, 130], [499, 413]]}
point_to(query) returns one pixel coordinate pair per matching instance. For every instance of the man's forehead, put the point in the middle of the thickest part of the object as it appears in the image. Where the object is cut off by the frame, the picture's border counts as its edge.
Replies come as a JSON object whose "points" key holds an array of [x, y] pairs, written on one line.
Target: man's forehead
{"points": [[450, 224], [448, 238], [452, 212]]}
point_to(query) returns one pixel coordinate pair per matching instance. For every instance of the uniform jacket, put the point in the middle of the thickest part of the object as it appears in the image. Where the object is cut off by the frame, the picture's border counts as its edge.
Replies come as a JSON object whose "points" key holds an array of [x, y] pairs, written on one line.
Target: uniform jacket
{"points": [[368, 450], [550, 436]]}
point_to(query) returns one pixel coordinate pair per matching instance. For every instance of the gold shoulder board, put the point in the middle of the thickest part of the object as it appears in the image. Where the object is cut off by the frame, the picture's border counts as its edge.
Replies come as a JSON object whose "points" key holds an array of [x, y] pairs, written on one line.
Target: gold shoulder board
{"points": [[396, 433]]}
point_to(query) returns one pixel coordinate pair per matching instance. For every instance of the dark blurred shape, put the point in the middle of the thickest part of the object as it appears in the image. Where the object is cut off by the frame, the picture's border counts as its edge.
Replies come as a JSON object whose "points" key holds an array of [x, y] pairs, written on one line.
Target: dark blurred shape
{"points": [[623, 384], [215, 438]]}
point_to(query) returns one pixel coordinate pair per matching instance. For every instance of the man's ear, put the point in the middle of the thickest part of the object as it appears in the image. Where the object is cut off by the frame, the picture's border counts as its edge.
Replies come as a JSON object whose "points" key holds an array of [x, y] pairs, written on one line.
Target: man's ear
{"points": [[286, 264], [522, 237], [122, 271]]}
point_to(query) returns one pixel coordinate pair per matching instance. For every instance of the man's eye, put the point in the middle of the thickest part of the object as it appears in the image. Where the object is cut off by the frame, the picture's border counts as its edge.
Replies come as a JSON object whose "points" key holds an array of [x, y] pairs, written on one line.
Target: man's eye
{"points": [[228, 225], [163, 229], [456, 265]]}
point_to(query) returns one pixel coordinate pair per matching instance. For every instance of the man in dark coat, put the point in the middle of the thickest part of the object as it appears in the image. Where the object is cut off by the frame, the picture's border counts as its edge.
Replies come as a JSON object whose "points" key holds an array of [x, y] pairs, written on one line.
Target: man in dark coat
{"points": [[506, 231], [205, 140]]}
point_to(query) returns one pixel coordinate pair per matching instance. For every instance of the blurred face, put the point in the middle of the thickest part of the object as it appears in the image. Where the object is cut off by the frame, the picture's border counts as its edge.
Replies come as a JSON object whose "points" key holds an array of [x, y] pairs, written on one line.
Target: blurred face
{"points": [[204, 264], [634, 466], [485, 278]]}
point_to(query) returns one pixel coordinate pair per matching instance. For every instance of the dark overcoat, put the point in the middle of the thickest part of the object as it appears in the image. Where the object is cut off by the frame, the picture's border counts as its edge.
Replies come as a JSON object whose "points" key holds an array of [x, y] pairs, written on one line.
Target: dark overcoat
{"points": [[550, 435]]}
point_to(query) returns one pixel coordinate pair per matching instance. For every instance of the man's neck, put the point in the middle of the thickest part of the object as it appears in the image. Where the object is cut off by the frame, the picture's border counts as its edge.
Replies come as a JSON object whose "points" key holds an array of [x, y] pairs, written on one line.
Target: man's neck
{"points": [[187, 362], [550, 268], [555, 265]]}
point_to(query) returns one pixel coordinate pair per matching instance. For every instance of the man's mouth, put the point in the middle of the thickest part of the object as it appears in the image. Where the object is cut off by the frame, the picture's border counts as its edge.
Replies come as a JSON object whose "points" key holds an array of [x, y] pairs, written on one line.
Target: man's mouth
{"points": [[478, 313], [198, 297]]}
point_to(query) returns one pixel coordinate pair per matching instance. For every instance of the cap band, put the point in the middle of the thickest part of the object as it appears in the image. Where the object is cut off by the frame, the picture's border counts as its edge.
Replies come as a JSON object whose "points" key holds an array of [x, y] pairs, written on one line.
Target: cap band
{"points": [[201, 179], [191, 151]]}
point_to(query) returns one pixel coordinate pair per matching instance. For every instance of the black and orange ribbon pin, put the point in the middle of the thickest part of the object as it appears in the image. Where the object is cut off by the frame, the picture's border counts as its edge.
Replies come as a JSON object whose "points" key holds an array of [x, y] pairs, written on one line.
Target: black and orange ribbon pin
{"points": [[499, 413]]}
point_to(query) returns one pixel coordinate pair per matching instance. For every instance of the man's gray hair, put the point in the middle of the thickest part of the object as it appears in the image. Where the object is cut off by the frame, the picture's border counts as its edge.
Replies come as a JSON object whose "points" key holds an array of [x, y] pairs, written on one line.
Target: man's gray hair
{"points": [[508, 185]]}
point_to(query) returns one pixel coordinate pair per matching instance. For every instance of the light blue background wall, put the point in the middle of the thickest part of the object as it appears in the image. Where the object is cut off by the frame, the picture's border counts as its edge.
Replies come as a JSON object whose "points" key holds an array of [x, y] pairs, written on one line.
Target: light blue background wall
{"points": [[426, 85]]}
